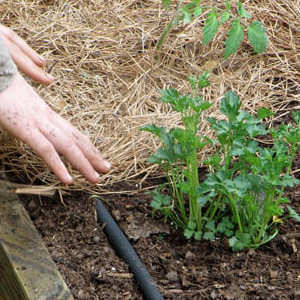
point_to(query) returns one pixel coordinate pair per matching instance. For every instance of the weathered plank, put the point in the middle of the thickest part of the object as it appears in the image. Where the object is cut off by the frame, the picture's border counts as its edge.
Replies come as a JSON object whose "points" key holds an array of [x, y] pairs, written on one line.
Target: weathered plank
{"points": [[26, 268]]}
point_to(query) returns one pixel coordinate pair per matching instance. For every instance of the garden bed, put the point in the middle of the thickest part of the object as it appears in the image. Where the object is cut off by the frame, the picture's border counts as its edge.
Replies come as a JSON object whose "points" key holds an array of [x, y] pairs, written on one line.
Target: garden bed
{"points": [[182, 269], [102, 54]]}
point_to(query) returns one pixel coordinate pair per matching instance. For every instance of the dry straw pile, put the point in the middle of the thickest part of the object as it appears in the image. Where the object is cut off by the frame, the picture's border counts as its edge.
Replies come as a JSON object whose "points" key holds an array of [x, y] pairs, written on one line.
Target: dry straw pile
{"points": [[102, 53]]}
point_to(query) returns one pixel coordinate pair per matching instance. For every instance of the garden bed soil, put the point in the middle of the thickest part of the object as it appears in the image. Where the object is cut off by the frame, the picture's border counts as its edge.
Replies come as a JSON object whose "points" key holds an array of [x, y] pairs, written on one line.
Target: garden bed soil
{"points": [[182, 269]]}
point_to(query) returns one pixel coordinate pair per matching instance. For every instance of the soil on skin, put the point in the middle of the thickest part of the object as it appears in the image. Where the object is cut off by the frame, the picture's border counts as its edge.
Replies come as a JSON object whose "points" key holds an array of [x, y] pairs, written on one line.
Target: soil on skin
{"points": [[182, 269]]}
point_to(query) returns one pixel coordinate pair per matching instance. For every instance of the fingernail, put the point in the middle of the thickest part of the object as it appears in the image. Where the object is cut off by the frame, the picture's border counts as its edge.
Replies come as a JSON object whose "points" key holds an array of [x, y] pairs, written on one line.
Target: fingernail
{"points": [[97, 176], [107, 165], [50, 77], [69, 178], [42, 59]]}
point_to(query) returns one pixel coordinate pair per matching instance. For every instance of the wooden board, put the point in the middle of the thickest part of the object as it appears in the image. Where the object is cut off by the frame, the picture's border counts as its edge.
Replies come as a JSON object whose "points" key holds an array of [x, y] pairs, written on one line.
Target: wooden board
{"points": [[26, 268]]}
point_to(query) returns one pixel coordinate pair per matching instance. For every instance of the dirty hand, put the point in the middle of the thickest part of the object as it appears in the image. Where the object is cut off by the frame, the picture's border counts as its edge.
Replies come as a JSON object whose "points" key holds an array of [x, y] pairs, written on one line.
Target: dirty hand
{"points": [[26, 116], [26, 59]]}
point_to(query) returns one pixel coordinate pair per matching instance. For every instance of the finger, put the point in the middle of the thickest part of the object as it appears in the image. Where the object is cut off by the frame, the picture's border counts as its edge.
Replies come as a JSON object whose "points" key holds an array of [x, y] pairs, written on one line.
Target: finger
{"points": [[66, 145], [82, 142], [47, 152], [26, 65], [90, 152], [78, 160], [24, 47]]}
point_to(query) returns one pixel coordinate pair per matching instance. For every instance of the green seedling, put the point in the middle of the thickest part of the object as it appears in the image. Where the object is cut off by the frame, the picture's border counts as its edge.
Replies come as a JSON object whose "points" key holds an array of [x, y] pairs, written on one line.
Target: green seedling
{"points": [[242, 196], [215, 15]]}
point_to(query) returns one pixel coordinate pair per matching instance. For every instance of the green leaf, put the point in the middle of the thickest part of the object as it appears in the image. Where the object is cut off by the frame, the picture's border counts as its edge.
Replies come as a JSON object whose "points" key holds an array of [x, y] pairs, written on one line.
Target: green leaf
{"points": [[211, 27], [296, 116], [239, 241], [263, 113], [154, 159], [230, 105], [187, 17], [169, 96], [257, 37], [197, 11], [289, 181], [209, 236], [213, 160], [227, 5], [282, 200], [210, 225], [235, 244], [188, 233], [242, 12], [152, 128], [166, 3], [160, 200], [198, 235], [234, 38], [225, 226], [293, 214], [225, 17], [192, 225], [203, 80]]}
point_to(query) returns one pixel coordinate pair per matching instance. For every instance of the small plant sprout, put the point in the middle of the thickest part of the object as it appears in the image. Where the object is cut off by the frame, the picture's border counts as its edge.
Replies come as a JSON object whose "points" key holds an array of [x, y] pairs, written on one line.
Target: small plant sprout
{"points": [[217, 14], [242, 196]]}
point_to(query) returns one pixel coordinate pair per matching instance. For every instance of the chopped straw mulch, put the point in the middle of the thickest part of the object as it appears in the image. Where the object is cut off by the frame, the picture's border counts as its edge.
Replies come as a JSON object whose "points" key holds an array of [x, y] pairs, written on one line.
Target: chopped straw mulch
{"points": [[108, 82]]}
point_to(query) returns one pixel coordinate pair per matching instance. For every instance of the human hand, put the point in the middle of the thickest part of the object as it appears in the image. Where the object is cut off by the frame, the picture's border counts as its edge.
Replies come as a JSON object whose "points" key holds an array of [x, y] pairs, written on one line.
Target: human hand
{"points": [[27, 117], [26, 59]]}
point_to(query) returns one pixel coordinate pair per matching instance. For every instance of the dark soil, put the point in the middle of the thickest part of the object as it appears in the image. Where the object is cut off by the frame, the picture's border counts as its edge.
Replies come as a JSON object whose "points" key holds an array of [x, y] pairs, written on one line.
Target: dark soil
{"points": [[182, 269]]}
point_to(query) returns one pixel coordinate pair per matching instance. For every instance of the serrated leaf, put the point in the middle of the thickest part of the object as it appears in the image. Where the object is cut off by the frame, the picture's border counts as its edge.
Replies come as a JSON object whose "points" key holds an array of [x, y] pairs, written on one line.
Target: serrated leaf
{"points": [[242, 11], [211, 27], [227, 5], [209, 236], [263, 113], [211, 225], [203, 80], [187, 17], [152, 128], [293, 214], [234, 38], [154, 159], [257, 37], [289, 181], [239, 241], [230, 105], [198, 235], [296, 116], [225, 17], [197, 11], [236, 244], [192, 225], [188, 233]]}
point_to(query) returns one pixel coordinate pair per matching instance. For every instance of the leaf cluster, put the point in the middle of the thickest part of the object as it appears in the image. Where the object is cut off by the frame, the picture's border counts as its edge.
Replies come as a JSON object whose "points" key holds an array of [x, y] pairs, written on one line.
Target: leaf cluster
{"points": [[239, 20], [242, 194]]}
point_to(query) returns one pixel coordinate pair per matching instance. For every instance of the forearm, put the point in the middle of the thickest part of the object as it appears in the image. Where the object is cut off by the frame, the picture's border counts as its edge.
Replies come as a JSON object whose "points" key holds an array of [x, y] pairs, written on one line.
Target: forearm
{"points": [[7, 67]]}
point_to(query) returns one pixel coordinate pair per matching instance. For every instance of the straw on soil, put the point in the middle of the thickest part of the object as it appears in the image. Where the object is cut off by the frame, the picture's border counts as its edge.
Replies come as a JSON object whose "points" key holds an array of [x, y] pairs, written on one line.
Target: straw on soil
{"points": [[108, 83]]}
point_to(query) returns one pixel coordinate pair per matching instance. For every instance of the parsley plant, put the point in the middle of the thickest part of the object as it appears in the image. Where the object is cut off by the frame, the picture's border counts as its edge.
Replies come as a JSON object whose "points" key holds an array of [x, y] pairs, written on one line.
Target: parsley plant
{"points": [[242, 196]]}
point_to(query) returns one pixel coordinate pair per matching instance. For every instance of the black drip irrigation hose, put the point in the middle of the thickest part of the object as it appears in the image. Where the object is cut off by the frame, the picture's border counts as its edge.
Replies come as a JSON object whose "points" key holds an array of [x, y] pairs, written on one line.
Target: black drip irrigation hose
{"points": [[124, 249]]}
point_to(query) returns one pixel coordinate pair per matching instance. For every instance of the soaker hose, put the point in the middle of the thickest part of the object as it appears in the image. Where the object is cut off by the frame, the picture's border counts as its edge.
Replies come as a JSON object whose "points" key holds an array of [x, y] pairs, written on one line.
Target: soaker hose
{"points": [[124, 249]]}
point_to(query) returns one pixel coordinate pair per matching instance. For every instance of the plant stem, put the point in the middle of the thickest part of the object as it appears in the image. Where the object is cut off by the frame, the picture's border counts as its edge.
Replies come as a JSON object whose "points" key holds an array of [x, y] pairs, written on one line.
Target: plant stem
{"points": [[195, 211], [292, 155], [175, 18], [234, 210], [177, 193]]}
